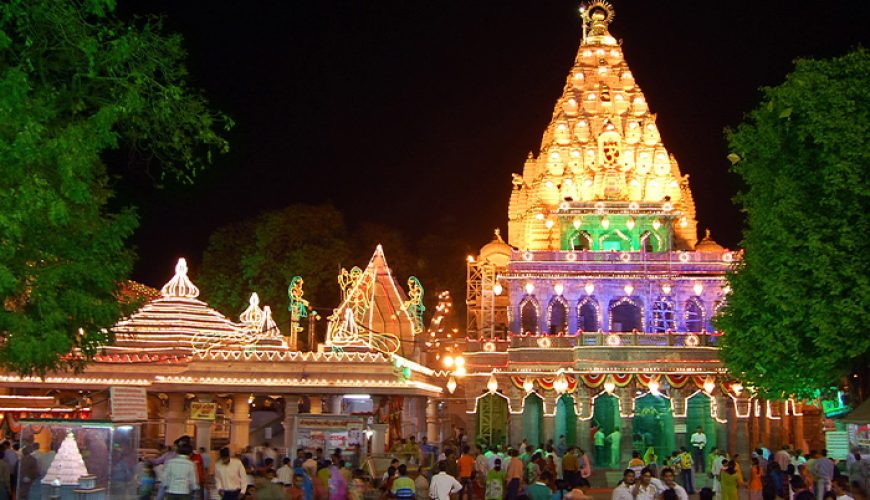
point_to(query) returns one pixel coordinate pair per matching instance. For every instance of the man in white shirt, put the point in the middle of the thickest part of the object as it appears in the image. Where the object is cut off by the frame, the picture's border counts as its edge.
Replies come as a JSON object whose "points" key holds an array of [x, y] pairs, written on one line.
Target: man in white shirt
{"points": [[443, 484], [643, 488], [180, 475], [285, 473], [699, 442], [230, 476], [838, 486], [670, 483], [623, 490]]}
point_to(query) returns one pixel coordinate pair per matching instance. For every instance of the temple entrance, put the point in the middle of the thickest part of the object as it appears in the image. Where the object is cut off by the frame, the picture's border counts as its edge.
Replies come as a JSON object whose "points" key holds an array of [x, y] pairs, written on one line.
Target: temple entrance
{"points": [[533, 419], [605, 420], [492, 419], [566, 420], [653, 426], [698, 414]]}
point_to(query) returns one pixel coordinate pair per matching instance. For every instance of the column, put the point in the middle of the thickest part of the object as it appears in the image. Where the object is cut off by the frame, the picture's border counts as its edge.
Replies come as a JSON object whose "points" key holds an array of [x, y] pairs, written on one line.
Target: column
{"points": [[379, 439], [755, 427], [291, 412], [203, 434], [515, 428], [625, 445], [678, 407], [584, 412], [176, 418], [787, 436], [765, 425], [549, 427], [432, 420], [240, 425], [798, 421], [335, 403], [316, 405]]}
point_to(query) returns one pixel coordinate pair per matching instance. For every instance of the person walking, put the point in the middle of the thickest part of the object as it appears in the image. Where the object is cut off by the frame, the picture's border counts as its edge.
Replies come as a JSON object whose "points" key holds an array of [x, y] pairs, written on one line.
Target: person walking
{"points": [[730, 481], [443, 484], [859, 472], [699, 442], [624, 490], [598, 440], [466, 465], [495, 482], [180, 475], [756, 477], [230, 476], [823, 470], [403, 487], [514, 475], [685, 460]]}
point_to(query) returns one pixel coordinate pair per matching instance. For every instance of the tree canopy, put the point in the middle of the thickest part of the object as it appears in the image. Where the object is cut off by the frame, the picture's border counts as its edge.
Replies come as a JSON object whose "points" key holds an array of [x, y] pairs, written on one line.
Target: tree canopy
{"points": [[797, 315], [76, 82]]}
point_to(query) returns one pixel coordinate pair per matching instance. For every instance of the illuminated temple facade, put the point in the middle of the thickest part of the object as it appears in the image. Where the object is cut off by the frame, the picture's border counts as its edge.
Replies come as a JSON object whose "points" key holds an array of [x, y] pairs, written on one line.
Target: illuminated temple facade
{"points": [[595, 314]]}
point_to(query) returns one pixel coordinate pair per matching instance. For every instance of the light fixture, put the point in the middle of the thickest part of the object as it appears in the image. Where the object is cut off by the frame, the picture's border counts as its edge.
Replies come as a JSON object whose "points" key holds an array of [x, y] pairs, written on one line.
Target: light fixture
{"points": [[654, 387], [709, 385], [726, 289], [590, 288], [605, 223], [549, 223], [656, 224], [628, 289], [492, 383], [497, 289], [470, 258], [251, 399], [559, 288], [577, 223], [630, 223], [698, 288], [451, 384], [357, 396], [448, 361], [684, 222], [528, 384], [561, 383], [459, 361], [609, 385], [460, 372], [666, 288], [530, 288], [737, 387]]}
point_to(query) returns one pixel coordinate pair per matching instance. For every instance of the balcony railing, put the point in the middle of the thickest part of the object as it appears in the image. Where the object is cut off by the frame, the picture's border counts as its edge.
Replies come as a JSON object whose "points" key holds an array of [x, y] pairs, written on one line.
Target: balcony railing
{"points": [[676, 257], [598, 339]]}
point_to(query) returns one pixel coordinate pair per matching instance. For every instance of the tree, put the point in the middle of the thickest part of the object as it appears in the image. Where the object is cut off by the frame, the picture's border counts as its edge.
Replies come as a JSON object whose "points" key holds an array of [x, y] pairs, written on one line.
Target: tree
{"points": [[263, 254], [75, 83], [797, 315]]}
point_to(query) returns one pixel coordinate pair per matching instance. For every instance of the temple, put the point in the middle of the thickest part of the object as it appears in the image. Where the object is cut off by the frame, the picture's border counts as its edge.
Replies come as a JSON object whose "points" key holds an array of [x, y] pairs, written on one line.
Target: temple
{"points": [[595, 315]]}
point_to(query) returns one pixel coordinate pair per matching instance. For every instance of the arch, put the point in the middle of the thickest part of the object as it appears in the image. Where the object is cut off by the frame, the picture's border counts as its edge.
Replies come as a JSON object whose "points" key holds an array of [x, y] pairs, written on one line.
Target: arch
{"points": [[492, 419], [694, 316], [533, 418], [653, 425], [529, 312], [664, 318], [581, 240], [566, 420], [650, 242], [614, 240], [557, 315], [605, 420], [588, 315], [625, 315], [699, 414]]}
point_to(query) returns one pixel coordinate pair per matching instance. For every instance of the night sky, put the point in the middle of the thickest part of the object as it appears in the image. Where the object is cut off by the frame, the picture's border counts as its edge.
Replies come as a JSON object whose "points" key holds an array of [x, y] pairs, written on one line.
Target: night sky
{"points": [[415, 113]]}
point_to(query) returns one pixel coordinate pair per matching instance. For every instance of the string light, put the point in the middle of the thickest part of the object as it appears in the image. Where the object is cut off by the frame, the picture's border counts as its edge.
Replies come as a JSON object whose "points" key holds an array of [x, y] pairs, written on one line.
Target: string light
{"points": [[451, 384], [492, 383], [530, 288]]}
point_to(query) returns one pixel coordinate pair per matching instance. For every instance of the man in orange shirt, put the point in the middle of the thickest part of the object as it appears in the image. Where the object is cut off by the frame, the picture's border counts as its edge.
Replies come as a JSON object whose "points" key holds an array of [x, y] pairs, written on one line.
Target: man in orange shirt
{"points": [[514, 475], [466, 472]]}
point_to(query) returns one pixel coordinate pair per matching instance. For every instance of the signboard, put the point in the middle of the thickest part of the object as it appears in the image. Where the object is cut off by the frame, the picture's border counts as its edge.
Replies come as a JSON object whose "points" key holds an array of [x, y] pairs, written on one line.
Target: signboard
{"points": [[329, 432], [859, 438], [837, 444], [128, 404], [202, 411], [679, 428]]}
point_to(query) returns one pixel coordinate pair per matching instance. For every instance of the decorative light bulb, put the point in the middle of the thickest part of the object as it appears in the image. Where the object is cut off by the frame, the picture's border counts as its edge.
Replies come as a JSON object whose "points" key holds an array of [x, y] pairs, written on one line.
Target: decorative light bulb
{"points": [[698, 288], [630, 223], [590, 288], [549, 223], [460, 372], [628, 289], [559, 288], [609, 385], [709, 385], [683, 222], [726, 289], [666, 288], [528, 384], [497, 289], [577, 223], [492, 383], [605, 223], [560, 385], [737, 387], [459, 361], [539, 216], [451, 384], [654, 386], [656, 224], [530, 288], [448, 361]]}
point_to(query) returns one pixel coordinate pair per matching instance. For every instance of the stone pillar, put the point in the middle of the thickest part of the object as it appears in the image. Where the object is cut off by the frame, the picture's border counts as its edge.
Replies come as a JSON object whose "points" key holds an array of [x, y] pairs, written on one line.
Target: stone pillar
{"points": [[765, 426], [176, 418], [240, 425], [798, 421], [379, 439], [316, 405], [100, 406], [291, 411], [787, 436], [432, 420], [755, 427], [625, 445], [335, 404], [584, 411], [515, 427], [203, 434]]}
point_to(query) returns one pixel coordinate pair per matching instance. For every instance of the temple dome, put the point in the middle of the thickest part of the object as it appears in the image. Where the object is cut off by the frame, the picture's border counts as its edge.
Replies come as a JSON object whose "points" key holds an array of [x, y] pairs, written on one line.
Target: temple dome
{"points": [[708, 244], [496, 252]]}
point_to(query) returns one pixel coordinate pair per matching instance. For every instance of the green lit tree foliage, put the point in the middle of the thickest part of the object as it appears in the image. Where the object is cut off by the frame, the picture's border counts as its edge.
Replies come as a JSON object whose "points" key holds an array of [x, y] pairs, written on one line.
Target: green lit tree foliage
{"points": [[75, 83], [797, 318]]}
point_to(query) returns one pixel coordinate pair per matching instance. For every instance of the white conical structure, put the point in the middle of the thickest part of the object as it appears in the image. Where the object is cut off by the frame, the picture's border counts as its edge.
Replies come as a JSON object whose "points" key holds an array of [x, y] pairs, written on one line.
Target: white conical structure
{"points": [[68, 465]]}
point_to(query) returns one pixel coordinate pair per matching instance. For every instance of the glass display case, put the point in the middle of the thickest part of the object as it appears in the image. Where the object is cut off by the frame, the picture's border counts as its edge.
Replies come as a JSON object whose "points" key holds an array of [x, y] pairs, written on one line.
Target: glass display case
{"points": [[77, 459]]}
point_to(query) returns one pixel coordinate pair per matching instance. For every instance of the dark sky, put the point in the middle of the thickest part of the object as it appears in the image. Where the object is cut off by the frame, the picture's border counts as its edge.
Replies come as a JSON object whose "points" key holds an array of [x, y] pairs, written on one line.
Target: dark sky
{"points": [[415, 113]]}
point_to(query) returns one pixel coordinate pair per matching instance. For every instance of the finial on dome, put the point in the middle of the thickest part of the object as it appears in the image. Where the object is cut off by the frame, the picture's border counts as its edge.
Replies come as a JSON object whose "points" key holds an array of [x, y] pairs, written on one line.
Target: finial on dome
{"points": [[596, 18], [267, 324], [253, 315], [498, 235], [707, 233], [180, 285]]}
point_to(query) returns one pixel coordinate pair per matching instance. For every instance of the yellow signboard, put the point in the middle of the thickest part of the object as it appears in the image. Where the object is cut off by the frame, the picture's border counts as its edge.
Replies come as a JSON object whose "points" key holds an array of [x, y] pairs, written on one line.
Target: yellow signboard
{"points": [[202, 411]]}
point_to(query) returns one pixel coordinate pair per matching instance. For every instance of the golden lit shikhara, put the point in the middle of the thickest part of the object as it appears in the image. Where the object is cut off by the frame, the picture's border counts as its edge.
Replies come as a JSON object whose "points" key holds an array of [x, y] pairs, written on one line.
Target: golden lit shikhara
{"points": [[602, 143]]}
